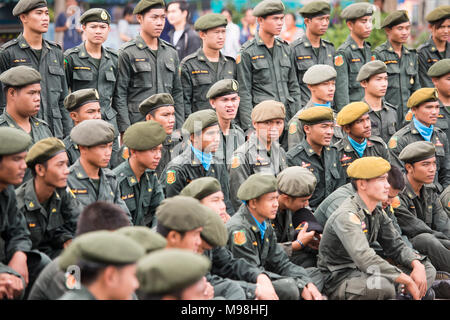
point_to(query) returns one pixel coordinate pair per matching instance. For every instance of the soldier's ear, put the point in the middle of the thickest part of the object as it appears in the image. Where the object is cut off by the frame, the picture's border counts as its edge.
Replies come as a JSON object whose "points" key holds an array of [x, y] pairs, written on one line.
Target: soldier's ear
{"points": [[149, 117]]}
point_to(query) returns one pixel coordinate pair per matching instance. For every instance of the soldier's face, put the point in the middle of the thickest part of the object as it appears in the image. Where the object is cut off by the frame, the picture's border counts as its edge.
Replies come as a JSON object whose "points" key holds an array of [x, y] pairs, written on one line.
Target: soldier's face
{"points": [[361, 128], [442, 84], [377, 85], [318, 25], [427, 112], [122, 282], [272, 24], [399, 33], [391, 196], [175, 15], [320, 134], [12, 169], [213, 38], [266, 206], [361, 27], [98, 156], [226, 106], [87, 111], [195, 291], [210, 139], [441, 33], [190, 241], [423, 171], [149, 159], [55, 173], [165, 116], [96, 32], [27, 100], [216, 202], [297, 203], [324, 91], [152, 23], [269, 130], [377, 188], [36, 20]]}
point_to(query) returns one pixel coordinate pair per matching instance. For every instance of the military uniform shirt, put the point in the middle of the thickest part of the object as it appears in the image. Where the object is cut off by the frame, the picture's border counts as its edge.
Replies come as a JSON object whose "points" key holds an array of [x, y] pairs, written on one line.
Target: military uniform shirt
{"points": [[384, 123], [443, 121], [72, 150], [445, 200], [229, 143], [39, 128], [79, 294], [429, 55]]}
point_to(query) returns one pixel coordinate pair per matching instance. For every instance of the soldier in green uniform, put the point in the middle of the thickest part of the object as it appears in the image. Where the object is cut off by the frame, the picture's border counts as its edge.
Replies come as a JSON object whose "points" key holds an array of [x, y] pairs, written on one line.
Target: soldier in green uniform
{"points": [[402, 63], [147, 65], [358, 142], [107, 265], [251, 236], [316, 153], [444, 198], [383, 115], [419, 212], [262, 151], [201, 69], [311, 49], [264, 66], [425, 108], [32, 50], [139, 185], [345, 255], [437, 47], [89, 179], [51, 211], [353, 53]]}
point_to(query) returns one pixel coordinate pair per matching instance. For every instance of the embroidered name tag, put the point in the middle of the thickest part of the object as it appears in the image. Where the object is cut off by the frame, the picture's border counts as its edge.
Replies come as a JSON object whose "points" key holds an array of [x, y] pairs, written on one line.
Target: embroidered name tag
{"points": [[79, 191], [303, 57], [22, 60], [356, 60], [200, 72], [141, 59], [391, 61], [258, 57], [130, 196], [81, 68]]}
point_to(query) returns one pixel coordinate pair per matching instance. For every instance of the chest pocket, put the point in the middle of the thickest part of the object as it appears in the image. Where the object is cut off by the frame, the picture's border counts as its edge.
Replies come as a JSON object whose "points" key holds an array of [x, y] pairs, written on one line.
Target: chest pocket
{"points": [[169, 75], [83, 75], [109, 75], [355, 65], [393, 71], [143, 74], [55, 72], [200, 77], [261, 70], [35, 227], [55, 220], [411, 71], [285, 68]]}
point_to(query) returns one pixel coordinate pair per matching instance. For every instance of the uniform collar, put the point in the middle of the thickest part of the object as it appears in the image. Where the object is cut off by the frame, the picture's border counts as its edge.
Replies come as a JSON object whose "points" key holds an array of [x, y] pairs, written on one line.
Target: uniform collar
{"points": [[391, 49], [362, 207], [35, 122], [348, 146], [81, 174], [354, 45], [309, 150], [131, 177], [30, 199], [202, 57], [255, 228], [83, 54], [23, 44], [260, 42]]}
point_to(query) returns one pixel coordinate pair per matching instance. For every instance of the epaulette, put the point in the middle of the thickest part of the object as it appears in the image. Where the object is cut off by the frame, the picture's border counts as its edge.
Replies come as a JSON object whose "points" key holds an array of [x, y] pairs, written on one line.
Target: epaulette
{"points": [[130, 43], [53, 43], [71, 50], [423, 45], [9, 44], [393, 106], [109, 173], [248, 43], [188, 57], [282, 40], [2, 120], [168, 44], [112, 51], [377, 139], [328, 42], [231, 58]]}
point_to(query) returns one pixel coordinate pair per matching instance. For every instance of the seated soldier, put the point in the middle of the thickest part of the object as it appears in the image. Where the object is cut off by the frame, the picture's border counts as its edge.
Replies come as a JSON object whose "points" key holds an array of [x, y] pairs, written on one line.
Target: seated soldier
{"points": [[445, 200]]}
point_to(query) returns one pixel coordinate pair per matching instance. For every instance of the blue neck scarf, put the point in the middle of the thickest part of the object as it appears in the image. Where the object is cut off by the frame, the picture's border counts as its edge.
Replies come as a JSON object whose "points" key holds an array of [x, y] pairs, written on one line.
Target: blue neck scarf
{"points": [[262, 227], [205, 158], [328, 104], [425, 132], [359, 147]]}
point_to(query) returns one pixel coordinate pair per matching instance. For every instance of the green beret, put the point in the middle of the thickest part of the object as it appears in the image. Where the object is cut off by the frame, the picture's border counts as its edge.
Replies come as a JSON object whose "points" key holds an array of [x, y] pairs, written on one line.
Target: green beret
{"points": [[170, 270], [315, 115], [222, 88], [214, 231], [319, 73], [80, 97], [181, 213], [103, 247], [200, 120], [144, 135], [13, 141], [145, 4], [370, 69], [268, 110], [395, 18], [357, 10], [20, 76], [209, 21], [417, 151], [144, 236], [368, 168], [422, 95], [296, 182], [23, 6], [257, 185], [314, 9], [201, 188], [441, 12], [95, 15], [90, 133], [440, 68], [156, 101], [268, 7], [351, 112], [44, 150]]}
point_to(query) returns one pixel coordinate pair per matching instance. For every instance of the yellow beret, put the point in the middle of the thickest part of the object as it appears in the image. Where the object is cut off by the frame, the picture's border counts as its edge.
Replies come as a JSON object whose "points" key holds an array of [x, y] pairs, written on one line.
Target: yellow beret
{"points": [[422, 95], [351, 112], [368, 168], [268, 110], [316, 115]]}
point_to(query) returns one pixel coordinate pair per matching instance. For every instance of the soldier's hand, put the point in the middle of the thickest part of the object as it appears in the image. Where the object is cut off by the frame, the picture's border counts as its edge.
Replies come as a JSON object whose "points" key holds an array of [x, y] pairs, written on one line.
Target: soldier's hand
{"points": [[209, 290], [11, 286], [410, 285], [66, 244], [419, 276], [315, 293], [18, 263], [305, 236], [264, 288]]}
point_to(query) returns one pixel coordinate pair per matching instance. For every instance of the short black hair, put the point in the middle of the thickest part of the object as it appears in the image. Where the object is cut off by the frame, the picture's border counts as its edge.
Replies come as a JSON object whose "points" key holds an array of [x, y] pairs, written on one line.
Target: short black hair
{"points": [[89, 271], [227, 10], [184, 6], [396, 179], [127, 11], [164, 231], [354, 185], [158, 296], [32, 167], [438, 23]]}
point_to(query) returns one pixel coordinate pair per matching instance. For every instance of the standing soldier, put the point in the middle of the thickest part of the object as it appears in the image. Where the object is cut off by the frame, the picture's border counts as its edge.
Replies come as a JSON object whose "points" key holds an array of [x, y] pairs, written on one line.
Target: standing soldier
{"points": [[402, 64], [437, 47], [311, 49], [264, 66], [32, 50], [200, 70], [353, 53], [147, 65]]}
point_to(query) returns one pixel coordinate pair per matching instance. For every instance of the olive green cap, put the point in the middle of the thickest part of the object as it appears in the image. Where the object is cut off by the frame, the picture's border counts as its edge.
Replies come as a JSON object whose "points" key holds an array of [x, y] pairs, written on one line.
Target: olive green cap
{"points": [[256, 185], [315, 9], [44, 150], [268, 110], [105, 247], [145, 237], [20, 76], [319, 73], [95, 15], [201, 188], [170, 270], [268, 7], [357, 10], [181, 213], [352, 112], [144, 135], [144, 4], [23, 6], [156, 101], [80, 97], [441, 12], [209, 21], [440, 68], [370, 69], [296, 182], [417, 151], [222, 88], [368, 168], [315, 115], [13, 141], [94, 132], [422, 95], [395, 18], [214, 231], [199, 120]]}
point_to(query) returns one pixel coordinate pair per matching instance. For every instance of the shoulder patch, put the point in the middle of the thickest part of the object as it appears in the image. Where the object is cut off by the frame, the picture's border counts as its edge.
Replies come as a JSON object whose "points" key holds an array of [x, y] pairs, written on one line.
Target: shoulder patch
{"points": [[354, 218], [171, 178], [293, 128], [392, 142], [338, 60], [239, 237], [235, 162], [238, 58], [396, 202]]}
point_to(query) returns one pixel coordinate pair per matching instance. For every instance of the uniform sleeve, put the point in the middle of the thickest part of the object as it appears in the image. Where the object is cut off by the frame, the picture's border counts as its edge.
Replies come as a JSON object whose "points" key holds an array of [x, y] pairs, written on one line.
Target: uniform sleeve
{"points": [[239, 172], [3, 67], [341, 96], [240, 244], [294, 87], [424, 79], [157, 197], [68, 70], [441, 220], [66, 119], [173, 181], [186, 82], [226, 265], [119, 103], [177, 94], [295, 134], [444, 171], [118, 199], [70, 210], [245, 79]]}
